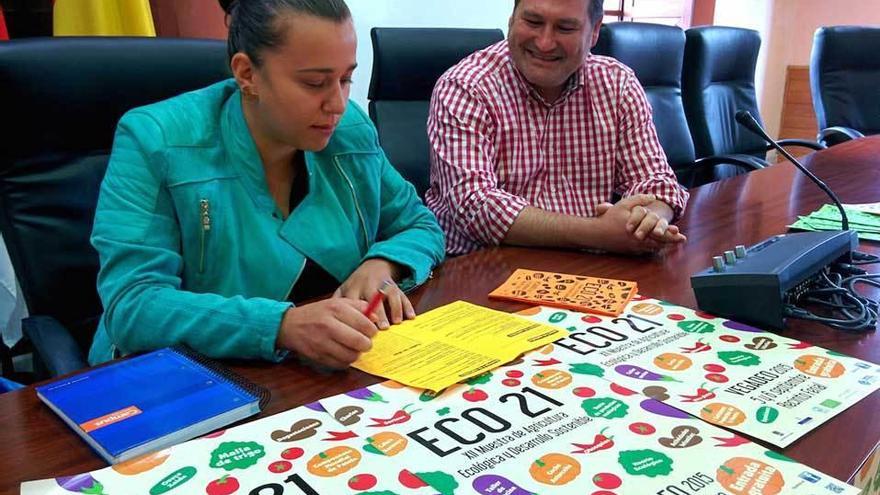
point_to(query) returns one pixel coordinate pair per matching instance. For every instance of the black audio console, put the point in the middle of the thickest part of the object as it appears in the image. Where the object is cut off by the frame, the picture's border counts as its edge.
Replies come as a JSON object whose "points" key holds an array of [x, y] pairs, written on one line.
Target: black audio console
{"points": [[753, 285]]}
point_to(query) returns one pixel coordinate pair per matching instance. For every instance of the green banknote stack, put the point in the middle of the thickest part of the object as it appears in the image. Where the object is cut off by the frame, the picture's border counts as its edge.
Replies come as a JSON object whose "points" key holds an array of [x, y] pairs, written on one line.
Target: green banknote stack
{"points": [[828, 218]]}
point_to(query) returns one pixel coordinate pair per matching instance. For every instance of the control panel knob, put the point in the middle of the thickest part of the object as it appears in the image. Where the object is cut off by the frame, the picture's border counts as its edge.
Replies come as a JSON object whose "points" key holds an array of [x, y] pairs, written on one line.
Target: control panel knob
{"points": [[730, 257], [740, 251], [718, 264]]}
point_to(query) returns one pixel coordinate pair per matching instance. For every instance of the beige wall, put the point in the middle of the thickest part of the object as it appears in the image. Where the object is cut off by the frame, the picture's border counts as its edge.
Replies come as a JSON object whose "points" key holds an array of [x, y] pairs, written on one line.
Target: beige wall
{"points": [[750, 14], [788, 39]]}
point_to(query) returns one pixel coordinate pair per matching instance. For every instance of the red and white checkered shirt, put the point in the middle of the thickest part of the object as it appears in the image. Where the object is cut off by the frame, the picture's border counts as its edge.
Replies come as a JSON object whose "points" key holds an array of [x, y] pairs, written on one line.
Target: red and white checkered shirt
{"points": [[497, 146]]}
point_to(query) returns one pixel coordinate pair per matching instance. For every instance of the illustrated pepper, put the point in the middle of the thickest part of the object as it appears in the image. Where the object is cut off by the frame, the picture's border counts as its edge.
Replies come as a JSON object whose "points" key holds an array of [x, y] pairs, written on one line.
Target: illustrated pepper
{"points": [[701, 394], [734, 441], [800, 345], [401, 416], [337, 436], [547, 362], [600, 442], [699, 346]]}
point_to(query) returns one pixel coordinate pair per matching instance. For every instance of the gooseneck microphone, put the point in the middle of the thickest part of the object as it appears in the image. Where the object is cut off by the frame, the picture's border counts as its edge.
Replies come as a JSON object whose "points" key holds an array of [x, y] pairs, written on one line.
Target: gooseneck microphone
{"points": [[744, 117]]}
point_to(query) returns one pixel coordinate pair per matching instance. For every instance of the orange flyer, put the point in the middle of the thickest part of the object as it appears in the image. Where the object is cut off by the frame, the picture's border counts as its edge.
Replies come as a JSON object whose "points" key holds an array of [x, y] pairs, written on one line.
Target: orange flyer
{"points": [[602, 296]]}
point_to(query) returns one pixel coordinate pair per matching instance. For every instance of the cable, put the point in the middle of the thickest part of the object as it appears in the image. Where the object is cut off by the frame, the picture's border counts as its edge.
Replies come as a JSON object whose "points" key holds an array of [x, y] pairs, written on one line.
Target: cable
{"points": [[860, 258], [834, 291]]}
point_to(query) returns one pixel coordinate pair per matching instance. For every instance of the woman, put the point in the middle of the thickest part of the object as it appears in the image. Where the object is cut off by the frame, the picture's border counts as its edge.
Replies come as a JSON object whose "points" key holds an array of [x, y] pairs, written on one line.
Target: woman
{"points": [[223, 207]]}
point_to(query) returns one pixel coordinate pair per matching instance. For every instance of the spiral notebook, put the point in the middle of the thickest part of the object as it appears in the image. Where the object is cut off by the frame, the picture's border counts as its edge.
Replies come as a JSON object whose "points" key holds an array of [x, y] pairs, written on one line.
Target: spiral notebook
{"points": [[150, 402]]}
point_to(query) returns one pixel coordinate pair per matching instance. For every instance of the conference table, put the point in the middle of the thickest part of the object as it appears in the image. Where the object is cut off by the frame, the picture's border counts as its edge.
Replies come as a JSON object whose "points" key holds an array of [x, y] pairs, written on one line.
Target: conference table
{"points": [[741, 210]]}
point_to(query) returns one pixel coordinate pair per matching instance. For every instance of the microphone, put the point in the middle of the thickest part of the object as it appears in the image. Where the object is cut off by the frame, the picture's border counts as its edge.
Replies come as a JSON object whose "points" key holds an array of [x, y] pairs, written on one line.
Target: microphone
{"points": [[745, 119]]}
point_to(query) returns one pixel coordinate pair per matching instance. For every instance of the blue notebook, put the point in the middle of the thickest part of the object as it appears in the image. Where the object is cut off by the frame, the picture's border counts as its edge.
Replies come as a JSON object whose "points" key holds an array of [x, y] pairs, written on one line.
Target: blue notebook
{"points": [[151, 402]]}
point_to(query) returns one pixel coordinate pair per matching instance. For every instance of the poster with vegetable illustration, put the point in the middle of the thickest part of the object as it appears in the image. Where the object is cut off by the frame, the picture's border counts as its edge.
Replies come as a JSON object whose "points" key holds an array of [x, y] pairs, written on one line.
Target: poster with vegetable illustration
{"points": [[868, 476], [523, 429], [301, 452], [726, 373], [529, 427]]}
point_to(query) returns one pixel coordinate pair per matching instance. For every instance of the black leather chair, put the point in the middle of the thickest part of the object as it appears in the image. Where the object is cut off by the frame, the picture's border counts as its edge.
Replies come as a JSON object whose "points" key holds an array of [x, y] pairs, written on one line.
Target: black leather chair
{"points": [[845, 82], [655, 52], [406, 64], [718, 79], [62, 98]]}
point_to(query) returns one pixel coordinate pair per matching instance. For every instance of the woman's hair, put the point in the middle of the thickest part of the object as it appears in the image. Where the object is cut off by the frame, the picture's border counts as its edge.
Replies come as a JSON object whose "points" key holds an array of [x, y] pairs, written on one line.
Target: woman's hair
{"points": [[254, 24]]}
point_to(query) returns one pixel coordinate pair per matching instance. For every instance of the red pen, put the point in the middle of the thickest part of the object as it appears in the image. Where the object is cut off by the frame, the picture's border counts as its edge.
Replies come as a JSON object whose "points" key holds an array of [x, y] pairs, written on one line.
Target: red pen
{"points": [[376, 300]]}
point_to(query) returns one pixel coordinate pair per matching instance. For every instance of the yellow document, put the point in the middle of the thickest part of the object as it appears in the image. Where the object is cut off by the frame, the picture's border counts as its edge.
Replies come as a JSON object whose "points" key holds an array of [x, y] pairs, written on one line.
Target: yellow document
{"points": [[452, 343]]}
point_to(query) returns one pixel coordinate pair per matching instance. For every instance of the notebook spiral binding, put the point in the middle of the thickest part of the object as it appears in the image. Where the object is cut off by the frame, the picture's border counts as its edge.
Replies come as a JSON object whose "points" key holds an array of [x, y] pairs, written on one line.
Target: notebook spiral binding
{"points": [[226, 374]]}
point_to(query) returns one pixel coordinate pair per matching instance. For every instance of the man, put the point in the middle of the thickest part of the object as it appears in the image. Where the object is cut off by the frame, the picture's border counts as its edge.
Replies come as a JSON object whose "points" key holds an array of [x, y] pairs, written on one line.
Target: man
{"points": [[531, 137]]}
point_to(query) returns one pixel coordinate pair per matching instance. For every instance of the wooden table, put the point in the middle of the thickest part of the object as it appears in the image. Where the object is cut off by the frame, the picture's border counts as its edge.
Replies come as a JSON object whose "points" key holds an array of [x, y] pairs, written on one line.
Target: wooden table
{"points": [[742, 210]]}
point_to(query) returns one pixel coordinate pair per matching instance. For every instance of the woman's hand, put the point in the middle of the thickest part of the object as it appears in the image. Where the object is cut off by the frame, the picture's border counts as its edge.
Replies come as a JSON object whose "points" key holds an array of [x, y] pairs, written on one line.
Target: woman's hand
{"points": [[366, 281], [332, 332]]}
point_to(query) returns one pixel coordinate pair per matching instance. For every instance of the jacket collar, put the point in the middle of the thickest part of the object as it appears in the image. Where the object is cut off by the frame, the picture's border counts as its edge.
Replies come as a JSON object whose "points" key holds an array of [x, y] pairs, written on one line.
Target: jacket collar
{"points": [[309, 218], [242, 152], [244, 157]]}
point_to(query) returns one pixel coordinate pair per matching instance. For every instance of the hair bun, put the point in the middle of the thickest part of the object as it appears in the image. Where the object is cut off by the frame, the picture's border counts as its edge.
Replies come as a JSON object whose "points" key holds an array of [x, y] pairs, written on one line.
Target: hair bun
{"points": [[227, 5]]}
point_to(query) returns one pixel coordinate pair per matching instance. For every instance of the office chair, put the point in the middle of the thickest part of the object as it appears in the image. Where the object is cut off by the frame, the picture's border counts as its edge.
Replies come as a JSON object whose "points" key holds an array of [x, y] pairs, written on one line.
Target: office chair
{"points": [[655, 53], [406, 64], [718, 79], [62, 98], [844, 82]]}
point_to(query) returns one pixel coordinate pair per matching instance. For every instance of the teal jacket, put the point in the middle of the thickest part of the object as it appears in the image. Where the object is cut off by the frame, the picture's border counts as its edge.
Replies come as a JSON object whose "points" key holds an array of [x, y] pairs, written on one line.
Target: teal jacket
{"points": [[194, 250]]}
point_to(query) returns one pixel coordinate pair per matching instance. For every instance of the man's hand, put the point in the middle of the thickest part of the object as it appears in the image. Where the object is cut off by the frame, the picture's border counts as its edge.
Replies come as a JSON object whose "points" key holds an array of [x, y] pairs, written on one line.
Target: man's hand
{"points": [[368, 279], [653, 220], [637, 225], [332, 332]]}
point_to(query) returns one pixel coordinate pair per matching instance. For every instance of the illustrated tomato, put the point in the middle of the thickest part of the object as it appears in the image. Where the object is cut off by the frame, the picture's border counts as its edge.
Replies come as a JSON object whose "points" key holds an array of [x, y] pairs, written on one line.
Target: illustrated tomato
{"points": [[592, 319], [222, 486], [475, 395], [362, 482], [729, 338], [280, 466], [714, 368], [514, 374], [717, 378], [676, 317], [585, 392], [617, 389], [607, 481], [292, 453], [410, 480], [603, 492], [511, 382], [642, 429]]}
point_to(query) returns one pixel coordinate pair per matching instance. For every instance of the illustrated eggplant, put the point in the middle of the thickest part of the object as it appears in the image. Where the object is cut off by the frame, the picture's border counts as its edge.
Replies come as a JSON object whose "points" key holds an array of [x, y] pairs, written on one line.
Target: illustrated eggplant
{"points": [[81, 483]]}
